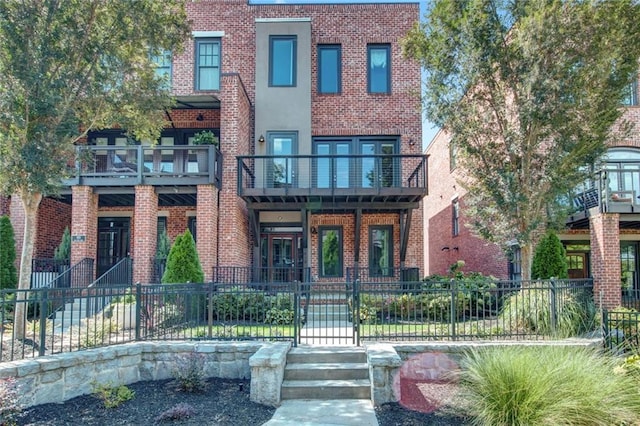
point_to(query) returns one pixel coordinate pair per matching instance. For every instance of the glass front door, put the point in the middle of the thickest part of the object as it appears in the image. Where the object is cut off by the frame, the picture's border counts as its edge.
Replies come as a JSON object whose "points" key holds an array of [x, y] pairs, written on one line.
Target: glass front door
{"points": [[282, 257], [113, 242]]}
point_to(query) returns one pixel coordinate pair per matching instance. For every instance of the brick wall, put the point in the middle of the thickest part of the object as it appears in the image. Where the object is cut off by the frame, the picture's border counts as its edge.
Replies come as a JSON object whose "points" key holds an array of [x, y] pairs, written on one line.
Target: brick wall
{"points": [[85, 222], [145, 221], [605, 259], [53, 217], [5, 203]]}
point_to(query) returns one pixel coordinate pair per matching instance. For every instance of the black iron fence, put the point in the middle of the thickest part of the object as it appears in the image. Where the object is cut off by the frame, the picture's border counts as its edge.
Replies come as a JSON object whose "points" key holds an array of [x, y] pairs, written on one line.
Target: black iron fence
{"points": [[621, 331], [69, 319], [473, 309]]}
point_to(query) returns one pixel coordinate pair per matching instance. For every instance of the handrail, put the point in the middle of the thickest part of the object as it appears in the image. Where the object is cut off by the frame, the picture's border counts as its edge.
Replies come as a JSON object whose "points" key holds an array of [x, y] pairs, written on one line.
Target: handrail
{"points": [[121, 273], [77, 276]]}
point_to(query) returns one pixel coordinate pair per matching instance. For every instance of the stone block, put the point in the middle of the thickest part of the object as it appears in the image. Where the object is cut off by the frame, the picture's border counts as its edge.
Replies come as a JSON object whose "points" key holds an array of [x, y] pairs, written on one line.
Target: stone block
{"points": [[51, 376]]}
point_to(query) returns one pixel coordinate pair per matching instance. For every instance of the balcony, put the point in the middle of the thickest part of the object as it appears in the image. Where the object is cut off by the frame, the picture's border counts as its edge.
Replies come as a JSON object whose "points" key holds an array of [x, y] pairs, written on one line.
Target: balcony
{"points": [[318, 182], [123, 166], [615, 189]]}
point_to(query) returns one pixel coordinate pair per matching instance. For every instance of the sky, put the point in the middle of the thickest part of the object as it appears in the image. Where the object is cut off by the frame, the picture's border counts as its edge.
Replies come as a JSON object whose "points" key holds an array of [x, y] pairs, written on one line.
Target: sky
{"points": [[428, 129]]}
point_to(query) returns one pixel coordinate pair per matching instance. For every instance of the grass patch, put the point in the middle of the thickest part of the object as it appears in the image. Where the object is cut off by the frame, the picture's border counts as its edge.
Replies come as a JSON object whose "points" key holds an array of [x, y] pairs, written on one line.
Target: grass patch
{"points": [[519, 385]]}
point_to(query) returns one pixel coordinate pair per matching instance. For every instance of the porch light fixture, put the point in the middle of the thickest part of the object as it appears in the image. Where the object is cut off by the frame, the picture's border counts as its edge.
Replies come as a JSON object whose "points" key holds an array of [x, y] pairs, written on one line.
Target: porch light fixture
{"points": [[314, 230], [261, 139], [200, 117], [445, 248], [411, 142]]}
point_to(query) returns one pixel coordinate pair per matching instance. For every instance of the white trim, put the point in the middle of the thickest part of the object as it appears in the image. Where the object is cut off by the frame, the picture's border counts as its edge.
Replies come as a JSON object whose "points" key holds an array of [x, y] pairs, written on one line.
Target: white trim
{"points": [[190, 213], [207, 34], [268, 20]]}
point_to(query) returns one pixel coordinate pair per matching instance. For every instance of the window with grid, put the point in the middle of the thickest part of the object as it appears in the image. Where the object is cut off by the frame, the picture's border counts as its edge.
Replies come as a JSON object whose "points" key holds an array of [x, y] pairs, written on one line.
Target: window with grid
{"points": [[207, 64]]}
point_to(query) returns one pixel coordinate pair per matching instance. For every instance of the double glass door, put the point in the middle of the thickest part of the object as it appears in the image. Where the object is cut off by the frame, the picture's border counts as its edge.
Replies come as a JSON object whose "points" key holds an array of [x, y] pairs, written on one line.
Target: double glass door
{"points": [[281, 257], [113, 242]]}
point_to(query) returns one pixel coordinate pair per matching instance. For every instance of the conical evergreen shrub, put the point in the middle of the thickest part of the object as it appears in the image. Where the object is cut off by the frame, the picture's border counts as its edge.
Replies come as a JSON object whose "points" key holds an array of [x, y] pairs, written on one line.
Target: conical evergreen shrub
{"points": [[550, 259], [8, 272], [183, 263], [63, 251]]}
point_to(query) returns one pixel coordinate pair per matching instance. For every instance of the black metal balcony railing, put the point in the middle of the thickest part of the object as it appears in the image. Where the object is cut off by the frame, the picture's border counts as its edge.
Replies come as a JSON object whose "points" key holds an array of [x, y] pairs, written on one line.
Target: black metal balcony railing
{"points": [[615, 188], [331, 174], [150, 165]]}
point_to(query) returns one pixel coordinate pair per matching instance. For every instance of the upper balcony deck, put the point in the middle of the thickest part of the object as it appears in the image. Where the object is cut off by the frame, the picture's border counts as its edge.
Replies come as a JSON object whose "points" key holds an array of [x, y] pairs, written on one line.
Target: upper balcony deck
{"points": [[331, 182], [615, 189], [127, 166]]}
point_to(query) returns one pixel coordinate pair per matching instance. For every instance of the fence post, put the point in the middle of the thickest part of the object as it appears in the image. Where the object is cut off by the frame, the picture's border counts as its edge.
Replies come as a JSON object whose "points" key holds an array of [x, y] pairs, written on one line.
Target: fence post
{"points": [[210, 311], [606, 332], [43, 320], [296, 312], [356, 309], [453, 315], [138, 309], [554, 305]]}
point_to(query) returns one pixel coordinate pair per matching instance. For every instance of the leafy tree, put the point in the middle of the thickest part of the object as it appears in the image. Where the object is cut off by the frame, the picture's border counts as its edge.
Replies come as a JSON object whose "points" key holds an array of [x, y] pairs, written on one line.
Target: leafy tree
{"points": [[529, 92], [8, 273], [183, 263], [550, 258], [63, 251], [69, 67]]}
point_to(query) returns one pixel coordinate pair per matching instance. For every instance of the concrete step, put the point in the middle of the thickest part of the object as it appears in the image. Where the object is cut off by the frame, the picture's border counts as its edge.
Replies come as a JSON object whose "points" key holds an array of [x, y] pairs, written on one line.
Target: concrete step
{"points": [[326, 389], [326, 371], [326, 354]]}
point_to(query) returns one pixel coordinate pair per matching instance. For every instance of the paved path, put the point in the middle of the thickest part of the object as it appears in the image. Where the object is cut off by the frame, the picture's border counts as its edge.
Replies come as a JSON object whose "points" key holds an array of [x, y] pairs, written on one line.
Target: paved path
{"points": [[312, 412]]}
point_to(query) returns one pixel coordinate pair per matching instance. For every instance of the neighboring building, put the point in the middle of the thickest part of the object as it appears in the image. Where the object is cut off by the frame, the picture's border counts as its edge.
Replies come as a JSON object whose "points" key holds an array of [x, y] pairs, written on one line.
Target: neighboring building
{"points": [[318, 123], [605, 224]]}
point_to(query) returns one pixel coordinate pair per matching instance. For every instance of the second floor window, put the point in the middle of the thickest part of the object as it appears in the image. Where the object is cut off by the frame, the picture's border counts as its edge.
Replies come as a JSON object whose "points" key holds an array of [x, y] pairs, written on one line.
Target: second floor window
{"points": [[207, 64], [282, 61], [379, 68], [329, 68], [631, 94], [455, 217], [162, 62]]}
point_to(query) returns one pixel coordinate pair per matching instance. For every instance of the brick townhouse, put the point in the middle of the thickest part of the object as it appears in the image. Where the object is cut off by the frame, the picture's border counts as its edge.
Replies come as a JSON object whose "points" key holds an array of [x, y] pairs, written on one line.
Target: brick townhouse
{"points": [[319, 167], [602, 235]]}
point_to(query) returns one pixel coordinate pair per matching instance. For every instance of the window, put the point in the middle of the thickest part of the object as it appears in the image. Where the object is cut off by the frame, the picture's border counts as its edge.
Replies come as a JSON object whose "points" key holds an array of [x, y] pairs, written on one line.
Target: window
{"points": [[282, 61], [453, 155], [631, 94], [282, 170], [191, 224], [162, 62], [356, 162], [207, 64], [455, 217], [515, 263], [329, 68], [381, 251], [379, 68], [330, 251]]}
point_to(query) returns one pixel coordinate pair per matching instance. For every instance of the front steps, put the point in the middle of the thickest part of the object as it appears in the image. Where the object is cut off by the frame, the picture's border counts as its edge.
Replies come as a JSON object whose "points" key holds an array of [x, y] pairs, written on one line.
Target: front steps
{"points": [[326, 373]]}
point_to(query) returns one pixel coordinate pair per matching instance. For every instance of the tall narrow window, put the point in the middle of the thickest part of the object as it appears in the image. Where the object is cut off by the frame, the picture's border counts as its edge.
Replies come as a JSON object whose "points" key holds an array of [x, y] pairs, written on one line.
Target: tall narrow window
{"points": [[207, 64], [330, 251], [329, 68], [282, 167], [455, 217], [379, 68], [162, 62], [282, 61], [191, 224], [515, 264], [381, 251], [631, 94]]}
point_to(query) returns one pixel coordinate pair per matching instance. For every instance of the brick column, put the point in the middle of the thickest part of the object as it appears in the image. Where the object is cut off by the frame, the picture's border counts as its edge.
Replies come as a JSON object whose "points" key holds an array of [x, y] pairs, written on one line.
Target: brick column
{"points": [[605, 259], [207, 228], [145, 233], [84, 224]]}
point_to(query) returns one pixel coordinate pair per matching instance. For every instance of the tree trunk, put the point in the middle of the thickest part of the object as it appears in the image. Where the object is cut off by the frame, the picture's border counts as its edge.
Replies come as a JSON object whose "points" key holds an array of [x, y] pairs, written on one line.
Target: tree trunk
{"points": [[526, 259], [30, 203]]}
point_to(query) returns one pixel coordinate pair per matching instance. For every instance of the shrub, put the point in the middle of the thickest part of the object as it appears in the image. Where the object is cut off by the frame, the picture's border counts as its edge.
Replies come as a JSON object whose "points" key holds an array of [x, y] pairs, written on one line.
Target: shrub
{"points": [[531, 310], [112, 396], [9, 407], [189, 372], [547, 385], [164, 245], [179, 411], [8, 272], [549, 259], [63, 251], [183, 263]]}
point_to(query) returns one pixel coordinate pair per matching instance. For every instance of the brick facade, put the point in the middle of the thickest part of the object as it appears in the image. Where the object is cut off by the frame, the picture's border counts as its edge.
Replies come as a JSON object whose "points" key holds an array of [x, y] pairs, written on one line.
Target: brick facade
{"points": [[224, 235]]}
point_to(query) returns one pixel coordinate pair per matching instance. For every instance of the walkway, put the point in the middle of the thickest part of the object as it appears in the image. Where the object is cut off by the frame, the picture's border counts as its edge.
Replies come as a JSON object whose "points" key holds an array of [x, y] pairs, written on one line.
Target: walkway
{"points": [[332, 412]]}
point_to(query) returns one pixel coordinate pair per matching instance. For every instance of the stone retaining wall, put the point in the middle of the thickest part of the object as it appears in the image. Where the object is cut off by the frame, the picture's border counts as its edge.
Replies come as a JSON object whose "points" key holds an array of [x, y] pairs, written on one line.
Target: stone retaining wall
{"points": [[57, 378], [392, 363]]}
